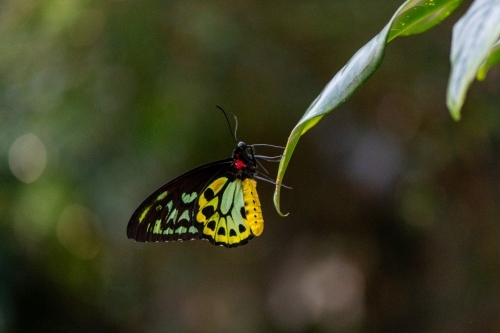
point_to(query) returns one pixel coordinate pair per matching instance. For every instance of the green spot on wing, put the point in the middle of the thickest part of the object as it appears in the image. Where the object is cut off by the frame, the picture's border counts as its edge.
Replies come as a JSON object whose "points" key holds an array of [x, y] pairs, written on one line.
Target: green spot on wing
{"points": [[173, 216], [188, 198], [156, 229], [184, 215], [228, 198], [162, 196], [144, 213], [180, 230]]}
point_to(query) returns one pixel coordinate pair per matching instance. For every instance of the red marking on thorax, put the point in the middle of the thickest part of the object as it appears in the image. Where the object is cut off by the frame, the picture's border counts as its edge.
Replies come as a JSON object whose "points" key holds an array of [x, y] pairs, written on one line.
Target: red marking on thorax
{"points": [[239, 164]]}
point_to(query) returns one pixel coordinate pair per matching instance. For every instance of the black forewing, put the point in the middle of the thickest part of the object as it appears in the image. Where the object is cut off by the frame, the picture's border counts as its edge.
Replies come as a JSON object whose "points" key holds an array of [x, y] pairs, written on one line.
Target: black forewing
{"points": [[144, 226]]}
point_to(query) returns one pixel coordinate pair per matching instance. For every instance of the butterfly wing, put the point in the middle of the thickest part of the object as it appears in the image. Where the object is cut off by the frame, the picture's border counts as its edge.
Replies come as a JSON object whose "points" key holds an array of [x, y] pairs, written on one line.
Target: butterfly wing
{"points": [[208, 202]]}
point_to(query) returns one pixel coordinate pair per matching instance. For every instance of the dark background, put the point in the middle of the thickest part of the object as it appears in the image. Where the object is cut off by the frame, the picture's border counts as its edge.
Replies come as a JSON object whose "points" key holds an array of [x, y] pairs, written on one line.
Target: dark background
{"points": [[394, 221]]}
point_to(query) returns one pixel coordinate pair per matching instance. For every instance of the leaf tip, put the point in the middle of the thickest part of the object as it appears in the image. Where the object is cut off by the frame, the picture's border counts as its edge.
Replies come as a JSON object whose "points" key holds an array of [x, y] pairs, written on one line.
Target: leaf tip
{"points": [[454, 106], [455, 114], [277, 200]]}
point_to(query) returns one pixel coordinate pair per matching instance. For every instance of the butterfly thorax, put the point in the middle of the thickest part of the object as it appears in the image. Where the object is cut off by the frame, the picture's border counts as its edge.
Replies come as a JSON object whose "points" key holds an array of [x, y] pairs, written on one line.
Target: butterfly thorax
{"points": [[244, 161]]}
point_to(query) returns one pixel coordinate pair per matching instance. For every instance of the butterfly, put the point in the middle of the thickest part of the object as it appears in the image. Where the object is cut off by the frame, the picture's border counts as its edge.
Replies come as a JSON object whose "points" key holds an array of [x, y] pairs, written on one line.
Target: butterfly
{"points": [[217, 202]]}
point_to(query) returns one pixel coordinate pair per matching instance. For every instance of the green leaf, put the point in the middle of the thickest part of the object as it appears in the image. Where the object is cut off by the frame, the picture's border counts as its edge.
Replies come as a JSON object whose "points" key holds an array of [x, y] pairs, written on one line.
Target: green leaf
{"points": [[493, 59], [359, 69], [418, 16], [473, 38]]}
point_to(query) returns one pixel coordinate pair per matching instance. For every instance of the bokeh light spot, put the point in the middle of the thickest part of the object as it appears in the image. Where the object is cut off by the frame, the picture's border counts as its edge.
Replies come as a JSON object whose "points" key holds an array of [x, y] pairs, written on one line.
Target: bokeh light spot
{"points": [[328, 292], [27, 158], [79, 231]]}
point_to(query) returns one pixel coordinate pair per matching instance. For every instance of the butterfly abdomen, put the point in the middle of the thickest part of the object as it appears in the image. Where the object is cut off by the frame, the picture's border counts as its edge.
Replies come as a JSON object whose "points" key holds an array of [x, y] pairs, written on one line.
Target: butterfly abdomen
{"points": [[253, 210]]}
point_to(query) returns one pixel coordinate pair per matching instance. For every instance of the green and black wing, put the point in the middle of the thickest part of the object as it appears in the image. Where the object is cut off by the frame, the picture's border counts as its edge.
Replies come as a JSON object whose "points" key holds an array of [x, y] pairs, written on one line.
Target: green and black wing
{"points": [[209, 202]]}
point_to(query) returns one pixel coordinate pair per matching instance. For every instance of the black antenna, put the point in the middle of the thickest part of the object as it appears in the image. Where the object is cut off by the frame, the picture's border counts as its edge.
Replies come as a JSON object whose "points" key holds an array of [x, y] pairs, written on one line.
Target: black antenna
{"points": [[230, 129], [236, 129]]}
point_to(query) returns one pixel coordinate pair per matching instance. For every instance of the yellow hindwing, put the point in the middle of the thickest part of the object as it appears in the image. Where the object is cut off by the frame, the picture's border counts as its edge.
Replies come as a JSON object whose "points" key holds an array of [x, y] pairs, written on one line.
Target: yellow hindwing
{"points": [[230, 211]]}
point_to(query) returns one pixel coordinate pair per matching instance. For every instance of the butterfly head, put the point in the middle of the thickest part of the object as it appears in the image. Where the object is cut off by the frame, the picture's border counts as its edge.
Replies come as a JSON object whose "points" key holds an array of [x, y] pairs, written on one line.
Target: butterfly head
{"points": [[242, 145]]}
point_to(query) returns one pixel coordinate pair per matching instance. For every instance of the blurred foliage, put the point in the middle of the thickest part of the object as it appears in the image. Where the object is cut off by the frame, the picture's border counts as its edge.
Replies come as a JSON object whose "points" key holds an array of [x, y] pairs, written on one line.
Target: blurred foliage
{"points": [[394, 218]]}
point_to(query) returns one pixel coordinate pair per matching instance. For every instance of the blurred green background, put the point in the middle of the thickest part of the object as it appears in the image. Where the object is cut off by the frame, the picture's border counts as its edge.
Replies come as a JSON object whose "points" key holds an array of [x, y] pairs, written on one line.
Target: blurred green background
{"points": [[394, 221]]}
